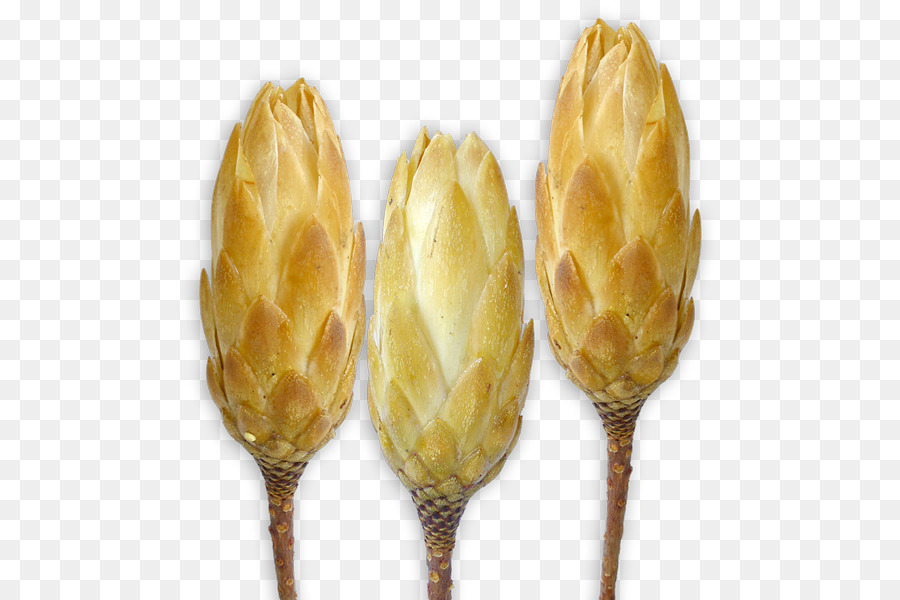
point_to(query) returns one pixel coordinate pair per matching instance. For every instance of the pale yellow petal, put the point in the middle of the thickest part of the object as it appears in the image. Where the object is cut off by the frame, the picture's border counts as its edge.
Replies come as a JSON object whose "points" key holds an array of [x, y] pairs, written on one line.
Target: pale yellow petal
{"points": [[491, 205], [635, 280], [469, 157], [395, 273], [608, 345], [294, 403], [415, 157], [399, 418], [693, 259], [470, 404], [339, 405], [297, 173], [267, 341], [571, 156], [300, 98], [315, 435], [452, 272], [658, 327], [410, 361], [514, 240], [215, 383], [333, 175], [559, 339], [515, 380], [639, 92], [356, 278], [647, 366], [434, 182], [438, 450], [242, 388], [572, 298], [502, 431], [309, 285], [394, 456], [603, 78], [260, 149], [653, 182], [497, 318], [397, 191], [329, 356], [603, 131], [546, 225], [377, 378], [207, 315], [675, 118], [229, 301], [685, 325], [567, 113], [584, 374], [246, 239], [223, 189], [670, 241], [473, 467], [591, 227]]}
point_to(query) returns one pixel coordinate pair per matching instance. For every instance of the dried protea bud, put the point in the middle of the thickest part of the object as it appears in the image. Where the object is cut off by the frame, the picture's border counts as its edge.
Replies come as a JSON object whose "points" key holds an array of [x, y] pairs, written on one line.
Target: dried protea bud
{"points": [[617, 249], [283, 311], [448, 357]]}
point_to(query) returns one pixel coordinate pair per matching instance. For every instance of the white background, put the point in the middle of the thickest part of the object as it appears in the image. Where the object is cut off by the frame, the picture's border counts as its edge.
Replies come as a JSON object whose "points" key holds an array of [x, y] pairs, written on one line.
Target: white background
{"points": [[766, 467]]}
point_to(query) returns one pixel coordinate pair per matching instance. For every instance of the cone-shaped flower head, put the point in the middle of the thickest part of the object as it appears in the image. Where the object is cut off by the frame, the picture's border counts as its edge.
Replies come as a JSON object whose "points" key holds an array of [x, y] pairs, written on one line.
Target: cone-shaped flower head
{"points": [[617, 248], [448, 357], [283, 309]]}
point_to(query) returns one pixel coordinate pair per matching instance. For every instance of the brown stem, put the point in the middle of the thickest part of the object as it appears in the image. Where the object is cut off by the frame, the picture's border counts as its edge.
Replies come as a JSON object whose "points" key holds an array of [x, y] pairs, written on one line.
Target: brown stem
{"points": [[281, 512], [281, 482], [439, 581], [619, 452]]}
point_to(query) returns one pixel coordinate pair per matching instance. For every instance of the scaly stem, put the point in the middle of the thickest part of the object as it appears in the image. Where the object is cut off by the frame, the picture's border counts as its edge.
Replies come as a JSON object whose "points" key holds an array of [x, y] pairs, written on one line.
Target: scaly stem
{"points": [[619, 452], [281, 512], [439, 581]]}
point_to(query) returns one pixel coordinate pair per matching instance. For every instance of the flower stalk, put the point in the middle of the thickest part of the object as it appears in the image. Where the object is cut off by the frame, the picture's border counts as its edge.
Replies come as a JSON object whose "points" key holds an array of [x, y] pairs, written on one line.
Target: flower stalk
{"points": [[448, 356], [617, 248], [282, 306]]}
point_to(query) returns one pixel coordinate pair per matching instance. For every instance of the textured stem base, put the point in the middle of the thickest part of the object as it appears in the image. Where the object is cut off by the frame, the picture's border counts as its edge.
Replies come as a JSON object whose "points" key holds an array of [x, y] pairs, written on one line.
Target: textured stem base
{"points": [[281, 483], [440, 517], [619, 452]]}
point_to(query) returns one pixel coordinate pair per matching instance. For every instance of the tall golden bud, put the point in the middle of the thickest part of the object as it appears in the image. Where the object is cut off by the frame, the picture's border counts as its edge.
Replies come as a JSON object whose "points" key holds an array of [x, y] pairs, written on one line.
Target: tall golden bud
{"points": [[283, 310], [448, 357], [617, 250]]}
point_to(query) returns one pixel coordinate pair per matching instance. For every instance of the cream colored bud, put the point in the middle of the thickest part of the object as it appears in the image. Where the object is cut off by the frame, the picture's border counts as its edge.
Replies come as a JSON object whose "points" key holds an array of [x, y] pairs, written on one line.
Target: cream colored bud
{"points": [[448, 357]]}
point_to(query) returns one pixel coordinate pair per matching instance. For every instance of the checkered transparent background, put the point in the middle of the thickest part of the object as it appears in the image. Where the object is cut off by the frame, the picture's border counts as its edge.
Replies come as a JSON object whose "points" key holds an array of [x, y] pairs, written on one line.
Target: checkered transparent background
{"points": [[766, 467]]}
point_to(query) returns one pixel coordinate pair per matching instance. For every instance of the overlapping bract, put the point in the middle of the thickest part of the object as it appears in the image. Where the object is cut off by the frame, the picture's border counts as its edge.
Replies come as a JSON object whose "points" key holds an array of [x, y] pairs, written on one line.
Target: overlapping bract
{"points": [[617, 249], [449, 360], [283, 311]]}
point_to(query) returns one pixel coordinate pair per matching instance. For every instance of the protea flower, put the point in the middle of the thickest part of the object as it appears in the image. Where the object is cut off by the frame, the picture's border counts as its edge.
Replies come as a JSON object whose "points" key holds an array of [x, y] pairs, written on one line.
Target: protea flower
{"points": [[617, 249], [448, 357], [283, 311]]}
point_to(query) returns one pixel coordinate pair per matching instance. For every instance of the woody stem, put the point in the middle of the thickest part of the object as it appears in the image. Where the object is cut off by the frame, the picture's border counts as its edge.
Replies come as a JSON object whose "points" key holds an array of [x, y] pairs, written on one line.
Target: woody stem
{"points": [[619, 452], [281, 482], [439, 580], [281, 528]]}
